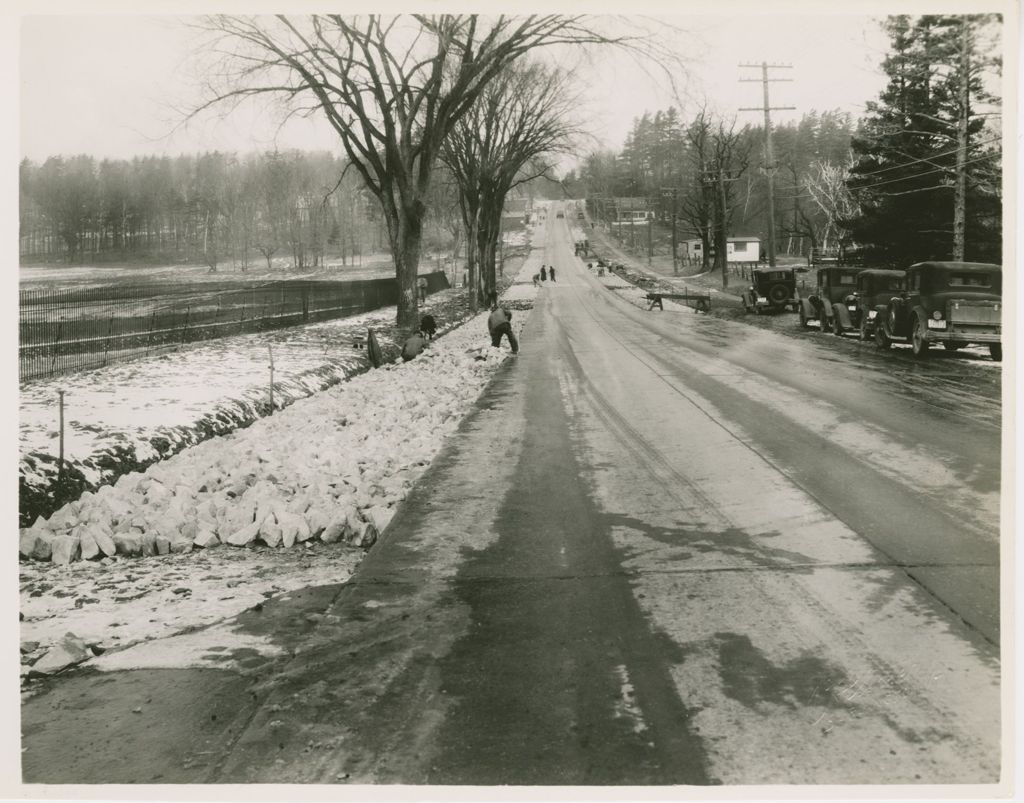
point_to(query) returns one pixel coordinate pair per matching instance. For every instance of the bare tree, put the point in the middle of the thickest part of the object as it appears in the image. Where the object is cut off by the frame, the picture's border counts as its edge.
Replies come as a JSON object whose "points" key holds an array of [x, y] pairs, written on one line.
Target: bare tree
{"points": [[730, 154], [523, 115], [826, 184], [392, 88], [697, 205]]}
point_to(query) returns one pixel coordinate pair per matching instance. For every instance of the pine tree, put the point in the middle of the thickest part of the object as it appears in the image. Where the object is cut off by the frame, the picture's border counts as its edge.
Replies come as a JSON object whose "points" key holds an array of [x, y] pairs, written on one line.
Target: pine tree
{"points": [[904, 178]]}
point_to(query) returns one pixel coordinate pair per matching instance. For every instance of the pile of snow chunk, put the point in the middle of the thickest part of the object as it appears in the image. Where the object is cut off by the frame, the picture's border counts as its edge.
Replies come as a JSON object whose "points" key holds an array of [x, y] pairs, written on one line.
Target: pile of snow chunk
{"points": [[331, 467]]}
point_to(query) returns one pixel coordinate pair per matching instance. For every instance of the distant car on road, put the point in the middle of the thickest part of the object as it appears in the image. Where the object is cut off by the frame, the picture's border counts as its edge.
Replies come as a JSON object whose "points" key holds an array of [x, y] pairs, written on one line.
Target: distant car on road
{"points": [[772, 289], [874, 287], [828, 304], [953, 303], [560, 214]]}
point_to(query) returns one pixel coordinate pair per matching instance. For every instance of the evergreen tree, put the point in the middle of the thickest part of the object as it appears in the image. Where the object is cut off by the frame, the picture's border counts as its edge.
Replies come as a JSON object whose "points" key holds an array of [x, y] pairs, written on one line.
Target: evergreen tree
{"points": [[904, 178]]}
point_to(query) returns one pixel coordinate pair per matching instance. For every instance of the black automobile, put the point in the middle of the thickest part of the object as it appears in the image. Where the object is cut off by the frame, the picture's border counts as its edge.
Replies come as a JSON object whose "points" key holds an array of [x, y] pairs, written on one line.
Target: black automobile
{"points": [[772, 289], [953, 303]]}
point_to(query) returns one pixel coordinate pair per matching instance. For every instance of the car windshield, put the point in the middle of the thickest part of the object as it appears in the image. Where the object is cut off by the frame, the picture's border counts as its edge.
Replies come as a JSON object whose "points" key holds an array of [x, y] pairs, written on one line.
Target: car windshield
{"points": [[969, 280]]}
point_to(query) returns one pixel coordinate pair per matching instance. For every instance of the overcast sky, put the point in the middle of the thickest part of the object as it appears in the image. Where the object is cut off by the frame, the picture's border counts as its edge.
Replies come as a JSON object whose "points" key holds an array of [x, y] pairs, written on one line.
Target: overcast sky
{"points": [[107, 85]]}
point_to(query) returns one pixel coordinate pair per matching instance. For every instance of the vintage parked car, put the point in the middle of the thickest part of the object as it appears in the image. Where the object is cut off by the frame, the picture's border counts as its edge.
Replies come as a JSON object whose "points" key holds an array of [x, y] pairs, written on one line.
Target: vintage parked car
{"points": [[772, 289], [953, 303], [874, 287], [834, 285]]}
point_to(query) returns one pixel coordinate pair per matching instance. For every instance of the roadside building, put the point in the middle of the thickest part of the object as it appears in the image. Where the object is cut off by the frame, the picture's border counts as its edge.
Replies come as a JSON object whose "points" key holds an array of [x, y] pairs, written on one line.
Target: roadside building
{"points": [[738, 249]]}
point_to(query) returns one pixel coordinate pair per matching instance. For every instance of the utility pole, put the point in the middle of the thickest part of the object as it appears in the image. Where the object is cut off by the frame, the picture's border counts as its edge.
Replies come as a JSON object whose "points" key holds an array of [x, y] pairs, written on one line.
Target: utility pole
{"points": [[770, 167], [960, 187], [674, 193], [721, 238], [650, 236]]}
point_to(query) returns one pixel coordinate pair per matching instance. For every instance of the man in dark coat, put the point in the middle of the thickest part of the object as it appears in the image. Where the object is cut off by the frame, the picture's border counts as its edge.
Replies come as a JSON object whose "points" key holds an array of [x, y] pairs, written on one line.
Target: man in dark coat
{"points": [[499, 323]]}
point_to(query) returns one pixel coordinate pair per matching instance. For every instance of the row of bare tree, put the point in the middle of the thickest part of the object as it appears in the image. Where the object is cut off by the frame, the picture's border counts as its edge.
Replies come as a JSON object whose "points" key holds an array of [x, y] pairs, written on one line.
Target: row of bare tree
{"points": [[207, 208], [407, 93]]}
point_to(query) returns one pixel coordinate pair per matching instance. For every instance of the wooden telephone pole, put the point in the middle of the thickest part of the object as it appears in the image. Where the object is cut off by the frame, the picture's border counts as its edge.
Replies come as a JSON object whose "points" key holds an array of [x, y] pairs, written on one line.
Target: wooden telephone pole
{"points": [[673, 192], [771, 166]]}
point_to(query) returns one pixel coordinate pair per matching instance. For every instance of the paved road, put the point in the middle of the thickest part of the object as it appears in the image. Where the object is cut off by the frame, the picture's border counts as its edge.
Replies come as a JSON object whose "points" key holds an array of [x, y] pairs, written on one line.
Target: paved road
{"points": [[665, 549]]}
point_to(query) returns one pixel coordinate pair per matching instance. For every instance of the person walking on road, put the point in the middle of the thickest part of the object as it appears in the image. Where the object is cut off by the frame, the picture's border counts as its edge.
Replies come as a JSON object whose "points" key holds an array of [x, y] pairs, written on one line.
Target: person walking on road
{"points": [[543, 273], [551, 270], [499, 323]]}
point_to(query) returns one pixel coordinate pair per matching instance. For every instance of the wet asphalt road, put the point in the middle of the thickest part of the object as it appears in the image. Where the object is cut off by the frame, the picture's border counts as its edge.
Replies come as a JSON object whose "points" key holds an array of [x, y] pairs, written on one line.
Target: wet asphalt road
{"points": [[665, 549]]}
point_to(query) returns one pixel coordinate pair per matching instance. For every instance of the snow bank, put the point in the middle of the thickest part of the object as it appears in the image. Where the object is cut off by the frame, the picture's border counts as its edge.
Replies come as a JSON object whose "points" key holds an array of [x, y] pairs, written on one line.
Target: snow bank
{"points": [[330, 467], [124, 417]]}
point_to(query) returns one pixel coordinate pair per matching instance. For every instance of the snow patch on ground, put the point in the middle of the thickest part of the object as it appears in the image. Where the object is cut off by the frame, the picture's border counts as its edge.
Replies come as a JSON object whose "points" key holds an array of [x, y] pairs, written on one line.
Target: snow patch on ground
{"points": [[356, 449], [134, 413]]}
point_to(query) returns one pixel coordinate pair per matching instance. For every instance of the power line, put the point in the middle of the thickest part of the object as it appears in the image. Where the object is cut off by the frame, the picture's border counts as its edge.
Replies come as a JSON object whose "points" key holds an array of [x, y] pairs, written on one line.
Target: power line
{"points": [[895, 180], [930, 156]]}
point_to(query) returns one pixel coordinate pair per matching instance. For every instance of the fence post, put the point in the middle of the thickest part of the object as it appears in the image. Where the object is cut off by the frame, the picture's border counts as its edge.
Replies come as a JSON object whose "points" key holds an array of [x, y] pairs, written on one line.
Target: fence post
{"points": [[60, 454], [56, 345], [106, 344], [184, 329], [270, 351], [149, 340]]}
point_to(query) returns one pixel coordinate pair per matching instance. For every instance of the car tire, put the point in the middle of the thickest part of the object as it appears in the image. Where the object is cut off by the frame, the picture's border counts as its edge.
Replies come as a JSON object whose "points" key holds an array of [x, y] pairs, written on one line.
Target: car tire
{"points": [[995, 350], [881, 338], [918, 340], [778, 293]]}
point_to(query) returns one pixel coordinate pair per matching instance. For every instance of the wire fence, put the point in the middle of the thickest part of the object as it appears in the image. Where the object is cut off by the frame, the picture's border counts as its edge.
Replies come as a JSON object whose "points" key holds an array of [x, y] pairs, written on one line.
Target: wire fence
{"points": [[63, 331]]}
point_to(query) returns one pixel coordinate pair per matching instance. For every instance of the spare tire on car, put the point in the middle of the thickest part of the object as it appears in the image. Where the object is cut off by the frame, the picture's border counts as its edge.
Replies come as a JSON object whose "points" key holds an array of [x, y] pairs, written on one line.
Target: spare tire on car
{"points": [[778, 294]]}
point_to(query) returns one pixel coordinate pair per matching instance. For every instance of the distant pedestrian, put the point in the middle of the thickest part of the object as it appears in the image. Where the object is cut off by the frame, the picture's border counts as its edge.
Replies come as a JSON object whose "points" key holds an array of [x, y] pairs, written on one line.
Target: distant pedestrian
{"points": [[536, 280], [499, 323], [552, 272], [413, 346], [543, 273], [428, 326], [421, 285]]}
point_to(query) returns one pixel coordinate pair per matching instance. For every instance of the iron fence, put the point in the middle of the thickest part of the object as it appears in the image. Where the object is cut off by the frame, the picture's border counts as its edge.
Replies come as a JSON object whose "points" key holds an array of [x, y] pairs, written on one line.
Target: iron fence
{"points": [[63, 331]]}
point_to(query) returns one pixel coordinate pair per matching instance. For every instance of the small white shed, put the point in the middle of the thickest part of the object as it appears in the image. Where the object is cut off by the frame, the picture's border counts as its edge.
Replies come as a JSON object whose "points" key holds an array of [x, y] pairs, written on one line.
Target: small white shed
{"points": [[738, 249]]}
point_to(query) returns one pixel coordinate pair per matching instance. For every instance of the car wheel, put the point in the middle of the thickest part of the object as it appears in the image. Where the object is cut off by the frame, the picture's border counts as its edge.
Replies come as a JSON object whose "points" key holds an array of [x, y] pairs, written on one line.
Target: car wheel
{"points": [[996, 350], [778, 293], [881, 338], [918, 341]]}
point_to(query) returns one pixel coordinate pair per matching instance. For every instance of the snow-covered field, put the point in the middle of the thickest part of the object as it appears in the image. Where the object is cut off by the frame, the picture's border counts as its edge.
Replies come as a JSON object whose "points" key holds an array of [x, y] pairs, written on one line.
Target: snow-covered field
{"points": [[128, 415], [322, 476]]}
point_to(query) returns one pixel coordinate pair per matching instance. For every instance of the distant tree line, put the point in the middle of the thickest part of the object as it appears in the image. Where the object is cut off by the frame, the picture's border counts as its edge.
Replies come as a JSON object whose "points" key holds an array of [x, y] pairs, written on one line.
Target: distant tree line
{"points": [[207, 208], [674, 165]]}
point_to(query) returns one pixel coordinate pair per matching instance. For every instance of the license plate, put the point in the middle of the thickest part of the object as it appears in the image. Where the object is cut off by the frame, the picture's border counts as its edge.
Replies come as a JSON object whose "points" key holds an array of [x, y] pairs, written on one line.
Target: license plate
{"points": [[851, 308], [933, 324], [762, 300]]}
